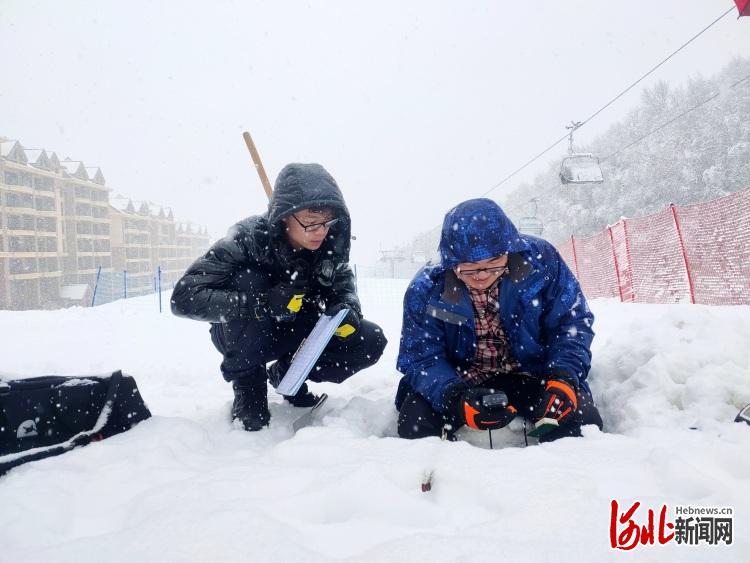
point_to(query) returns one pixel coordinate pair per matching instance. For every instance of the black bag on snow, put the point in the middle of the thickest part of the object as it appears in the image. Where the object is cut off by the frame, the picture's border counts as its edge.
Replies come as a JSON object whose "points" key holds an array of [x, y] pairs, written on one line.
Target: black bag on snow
{"points": [[46, 416]]}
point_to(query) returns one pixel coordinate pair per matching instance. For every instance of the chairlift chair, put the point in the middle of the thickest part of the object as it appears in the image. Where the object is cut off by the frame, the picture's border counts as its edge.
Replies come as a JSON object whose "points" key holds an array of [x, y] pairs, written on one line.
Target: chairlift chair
{"points": [[579, 168], [531, 226]]}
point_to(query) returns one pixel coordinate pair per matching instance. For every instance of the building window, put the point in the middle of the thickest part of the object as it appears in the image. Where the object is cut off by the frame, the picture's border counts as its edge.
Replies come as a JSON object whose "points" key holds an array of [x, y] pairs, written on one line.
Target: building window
{"points": [[45, 203], [101, 229], [49, 265], [19, 200], [21, 244], [83, 228], [44, 184], [17, 178], [47, 244], [132, 253], [83, 210], [136, 239], [99, 212], [83, 192], [46, 224], [20, 222], [11, 178], [23, 266], [101, 245]]}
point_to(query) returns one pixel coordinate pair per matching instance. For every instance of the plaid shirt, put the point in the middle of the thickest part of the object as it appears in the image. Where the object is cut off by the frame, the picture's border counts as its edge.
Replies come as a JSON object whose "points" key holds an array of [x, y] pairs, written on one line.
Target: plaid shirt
{"points": [[493, 351]]}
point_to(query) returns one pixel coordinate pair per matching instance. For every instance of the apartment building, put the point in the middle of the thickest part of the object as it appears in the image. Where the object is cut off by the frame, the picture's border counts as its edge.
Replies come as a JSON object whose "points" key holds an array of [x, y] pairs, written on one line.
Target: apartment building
{"points": [[85, 212], [192, 242], [31, 233], [147, 241], [61, 231], [132, 245]]}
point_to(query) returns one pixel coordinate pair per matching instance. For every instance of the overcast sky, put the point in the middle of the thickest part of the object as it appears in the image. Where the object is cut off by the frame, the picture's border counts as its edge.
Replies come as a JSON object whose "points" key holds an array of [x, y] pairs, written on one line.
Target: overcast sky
{"points": [[412, 106]]}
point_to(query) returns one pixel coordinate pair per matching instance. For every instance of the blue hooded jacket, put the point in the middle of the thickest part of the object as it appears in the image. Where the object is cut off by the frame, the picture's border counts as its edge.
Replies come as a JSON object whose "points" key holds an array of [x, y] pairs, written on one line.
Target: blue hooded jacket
{"points": [[542, 309]]}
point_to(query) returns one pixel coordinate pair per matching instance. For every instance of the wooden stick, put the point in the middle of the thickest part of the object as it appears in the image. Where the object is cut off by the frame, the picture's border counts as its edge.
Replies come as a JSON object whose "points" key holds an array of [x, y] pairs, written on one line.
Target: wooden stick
{"points": [[258, 164]]}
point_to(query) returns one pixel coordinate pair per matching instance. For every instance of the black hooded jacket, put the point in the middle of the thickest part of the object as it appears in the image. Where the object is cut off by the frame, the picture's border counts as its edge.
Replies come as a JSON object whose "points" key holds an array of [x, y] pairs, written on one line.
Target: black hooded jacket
{"points": [[231, 280]]}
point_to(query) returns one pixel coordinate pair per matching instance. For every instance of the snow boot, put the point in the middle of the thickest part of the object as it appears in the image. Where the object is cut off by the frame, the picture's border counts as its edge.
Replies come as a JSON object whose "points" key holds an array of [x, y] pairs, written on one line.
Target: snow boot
{"points": [[250, 404], [303, 398]]}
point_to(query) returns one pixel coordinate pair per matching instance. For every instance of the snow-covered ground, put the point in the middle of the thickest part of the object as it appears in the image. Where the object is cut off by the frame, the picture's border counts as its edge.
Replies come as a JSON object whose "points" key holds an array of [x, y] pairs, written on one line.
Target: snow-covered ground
{"points": [[187, 486]]}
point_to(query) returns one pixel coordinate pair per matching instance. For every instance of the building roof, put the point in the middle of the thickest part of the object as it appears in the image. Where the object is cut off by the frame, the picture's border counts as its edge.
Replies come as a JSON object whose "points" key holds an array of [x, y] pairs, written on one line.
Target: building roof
{"points": [[154, 210], [95, 174], [39, 159], [12, 150], [54, 161], [190, 227], [74, 168], [122, 204]]}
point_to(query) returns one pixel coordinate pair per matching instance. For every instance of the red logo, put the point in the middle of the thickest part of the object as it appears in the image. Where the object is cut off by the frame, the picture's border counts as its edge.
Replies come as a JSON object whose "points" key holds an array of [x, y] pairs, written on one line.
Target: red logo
{"points": [[625, 533]]}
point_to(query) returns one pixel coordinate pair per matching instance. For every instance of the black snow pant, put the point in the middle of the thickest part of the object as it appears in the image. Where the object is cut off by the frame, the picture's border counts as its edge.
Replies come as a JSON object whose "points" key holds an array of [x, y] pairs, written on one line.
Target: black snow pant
{"points": [[417, 418], [249, 344]]}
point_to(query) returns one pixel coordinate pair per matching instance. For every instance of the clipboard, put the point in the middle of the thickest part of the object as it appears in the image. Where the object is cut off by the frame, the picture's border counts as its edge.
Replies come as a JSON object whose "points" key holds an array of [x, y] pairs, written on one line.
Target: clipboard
{"points": [[308, 353]]}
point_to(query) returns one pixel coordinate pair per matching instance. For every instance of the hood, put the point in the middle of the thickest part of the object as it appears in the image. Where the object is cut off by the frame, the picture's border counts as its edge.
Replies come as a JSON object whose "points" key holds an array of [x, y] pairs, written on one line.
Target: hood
{"points": [[303, 186], [476, 230]]}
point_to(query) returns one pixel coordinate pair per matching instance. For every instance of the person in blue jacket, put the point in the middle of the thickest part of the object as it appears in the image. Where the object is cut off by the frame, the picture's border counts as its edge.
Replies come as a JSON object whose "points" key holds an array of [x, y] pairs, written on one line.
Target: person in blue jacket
{"points": [[499, 328]]}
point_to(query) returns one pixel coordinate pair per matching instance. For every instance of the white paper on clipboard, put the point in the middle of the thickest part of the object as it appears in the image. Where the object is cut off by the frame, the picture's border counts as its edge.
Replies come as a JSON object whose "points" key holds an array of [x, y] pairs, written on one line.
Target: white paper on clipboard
{"points": [[309, 352]]}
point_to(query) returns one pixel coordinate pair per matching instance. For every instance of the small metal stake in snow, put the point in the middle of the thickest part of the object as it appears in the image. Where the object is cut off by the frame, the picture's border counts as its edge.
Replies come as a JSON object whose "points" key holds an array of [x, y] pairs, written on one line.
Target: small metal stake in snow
{"points": [[429, 474], [427, 481], [489, 433]]}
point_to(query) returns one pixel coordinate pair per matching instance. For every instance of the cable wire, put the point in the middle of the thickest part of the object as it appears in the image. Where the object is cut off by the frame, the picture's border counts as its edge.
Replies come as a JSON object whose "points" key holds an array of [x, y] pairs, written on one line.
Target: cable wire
{"points": [[613, 100], [663, 125]]}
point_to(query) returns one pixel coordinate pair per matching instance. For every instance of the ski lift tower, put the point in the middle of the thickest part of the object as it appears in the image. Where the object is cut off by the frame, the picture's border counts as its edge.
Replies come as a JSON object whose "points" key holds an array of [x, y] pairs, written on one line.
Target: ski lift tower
{"points": [[531, 224], [582, 167]]}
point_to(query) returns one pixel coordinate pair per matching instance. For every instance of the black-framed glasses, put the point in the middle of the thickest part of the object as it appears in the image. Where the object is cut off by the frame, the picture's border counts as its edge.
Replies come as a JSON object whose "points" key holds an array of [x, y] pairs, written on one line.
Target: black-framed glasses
{"points": [[497, 270], [316, 226]]}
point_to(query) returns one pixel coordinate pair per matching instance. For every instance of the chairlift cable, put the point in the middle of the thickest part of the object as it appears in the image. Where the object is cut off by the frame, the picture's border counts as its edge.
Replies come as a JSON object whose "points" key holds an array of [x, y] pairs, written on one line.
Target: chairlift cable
{"points": [[613, 100], [626, 90], [517, 170], [663, 125]]}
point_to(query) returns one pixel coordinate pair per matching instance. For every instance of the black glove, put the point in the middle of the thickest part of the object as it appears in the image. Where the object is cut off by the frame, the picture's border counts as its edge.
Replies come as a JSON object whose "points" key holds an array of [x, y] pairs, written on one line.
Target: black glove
{"points": [[482, 408], [284, 301], [349, 324], [559, 402]]}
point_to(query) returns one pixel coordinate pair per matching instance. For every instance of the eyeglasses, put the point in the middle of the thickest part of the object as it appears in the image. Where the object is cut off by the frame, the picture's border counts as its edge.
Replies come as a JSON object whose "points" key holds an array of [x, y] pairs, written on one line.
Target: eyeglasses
{"points": [[316, 226], [497, 270]]}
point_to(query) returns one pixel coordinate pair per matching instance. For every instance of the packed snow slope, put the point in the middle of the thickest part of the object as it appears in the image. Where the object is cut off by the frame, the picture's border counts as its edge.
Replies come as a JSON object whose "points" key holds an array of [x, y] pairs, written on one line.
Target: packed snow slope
{"points": [[188, 486]]}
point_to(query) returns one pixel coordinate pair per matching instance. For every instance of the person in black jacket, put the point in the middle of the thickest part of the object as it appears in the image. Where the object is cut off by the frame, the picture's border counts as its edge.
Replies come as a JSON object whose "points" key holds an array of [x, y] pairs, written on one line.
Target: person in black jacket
{"points": [[264, 286]]}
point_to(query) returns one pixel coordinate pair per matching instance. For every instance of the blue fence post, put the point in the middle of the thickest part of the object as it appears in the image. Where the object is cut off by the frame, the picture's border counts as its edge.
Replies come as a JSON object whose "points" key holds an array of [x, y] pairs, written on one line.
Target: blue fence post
{"points": [[96, 285], [125, 284], [158, 283]]}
